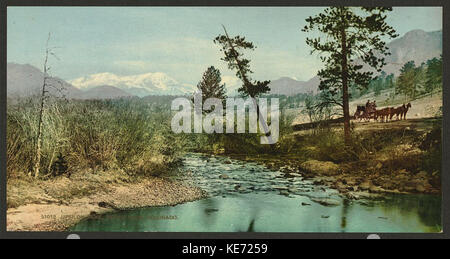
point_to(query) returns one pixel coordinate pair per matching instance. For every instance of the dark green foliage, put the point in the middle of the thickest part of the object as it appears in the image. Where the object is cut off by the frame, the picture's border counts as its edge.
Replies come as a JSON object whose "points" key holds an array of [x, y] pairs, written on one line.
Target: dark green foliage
{"points": [[211, 86], [351, 34], [364, 29], [434, 75], [376, 86], [411, 80], [59, 167], [233, 49], [290, 102], [418, 80]]}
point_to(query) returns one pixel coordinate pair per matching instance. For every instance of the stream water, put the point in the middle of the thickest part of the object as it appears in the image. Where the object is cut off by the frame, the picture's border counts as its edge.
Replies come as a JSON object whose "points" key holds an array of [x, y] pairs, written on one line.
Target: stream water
{"points": [[246, 197]]}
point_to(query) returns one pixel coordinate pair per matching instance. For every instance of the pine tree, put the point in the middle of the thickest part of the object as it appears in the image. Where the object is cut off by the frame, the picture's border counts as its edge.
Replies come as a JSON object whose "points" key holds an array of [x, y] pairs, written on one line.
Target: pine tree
{"points": [[211, 86], [350, 33], [233, 49], [406, 83], [433, 75]]}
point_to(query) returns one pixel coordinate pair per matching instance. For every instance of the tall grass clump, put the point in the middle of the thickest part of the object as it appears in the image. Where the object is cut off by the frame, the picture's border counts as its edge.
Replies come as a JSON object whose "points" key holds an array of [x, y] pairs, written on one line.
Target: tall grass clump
{"points": [[132, 135]]}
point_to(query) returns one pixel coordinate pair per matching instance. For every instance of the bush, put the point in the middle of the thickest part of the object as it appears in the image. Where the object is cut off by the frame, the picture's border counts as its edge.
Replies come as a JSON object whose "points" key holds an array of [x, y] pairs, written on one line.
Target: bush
{"points": [[432, 145], [129, 134], [242, 143]]}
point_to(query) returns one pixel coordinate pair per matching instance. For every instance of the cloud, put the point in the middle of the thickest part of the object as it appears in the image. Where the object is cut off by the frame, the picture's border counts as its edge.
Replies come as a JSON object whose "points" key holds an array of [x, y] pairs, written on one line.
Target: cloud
{"points": [[185, 58], [188, 58], [136, 64], [270, 64], [232, 84]]}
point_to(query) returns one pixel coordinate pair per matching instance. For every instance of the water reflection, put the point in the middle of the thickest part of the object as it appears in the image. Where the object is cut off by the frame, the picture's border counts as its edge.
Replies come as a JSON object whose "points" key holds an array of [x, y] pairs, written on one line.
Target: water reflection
{"points": [[273, 213], [246, 197], [344, 214]]}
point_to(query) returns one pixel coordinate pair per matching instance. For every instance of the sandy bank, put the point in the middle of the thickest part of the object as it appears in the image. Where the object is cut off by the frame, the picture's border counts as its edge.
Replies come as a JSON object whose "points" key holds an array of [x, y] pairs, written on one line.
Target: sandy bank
{"points": [[58, 204]]}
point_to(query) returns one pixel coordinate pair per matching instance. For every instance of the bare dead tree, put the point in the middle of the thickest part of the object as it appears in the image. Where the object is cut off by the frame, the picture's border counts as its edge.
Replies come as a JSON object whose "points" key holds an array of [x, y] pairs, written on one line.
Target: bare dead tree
{"points": [[42, 104]]}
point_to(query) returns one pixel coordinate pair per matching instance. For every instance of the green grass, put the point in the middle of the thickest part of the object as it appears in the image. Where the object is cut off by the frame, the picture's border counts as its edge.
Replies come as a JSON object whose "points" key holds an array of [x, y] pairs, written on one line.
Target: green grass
{"points": [[129, 134]]}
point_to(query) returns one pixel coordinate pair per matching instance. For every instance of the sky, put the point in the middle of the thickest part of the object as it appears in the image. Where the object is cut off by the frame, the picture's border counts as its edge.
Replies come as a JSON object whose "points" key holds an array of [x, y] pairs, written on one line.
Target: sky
{"points": [[177, 41]]}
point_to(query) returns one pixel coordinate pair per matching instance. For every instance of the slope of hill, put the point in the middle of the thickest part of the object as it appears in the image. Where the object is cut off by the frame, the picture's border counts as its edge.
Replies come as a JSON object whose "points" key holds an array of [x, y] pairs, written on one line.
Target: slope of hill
{"points": [[289, 86], [416, 45], [26, 80], [104, 92]]}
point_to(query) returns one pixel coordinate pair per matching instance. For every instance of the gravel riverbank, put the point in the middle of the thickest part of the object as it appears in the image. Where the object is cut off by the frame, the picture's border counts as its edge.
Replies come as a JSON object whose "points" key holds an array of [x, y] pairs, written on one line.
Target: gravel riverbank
{"points": [[58, 204]]}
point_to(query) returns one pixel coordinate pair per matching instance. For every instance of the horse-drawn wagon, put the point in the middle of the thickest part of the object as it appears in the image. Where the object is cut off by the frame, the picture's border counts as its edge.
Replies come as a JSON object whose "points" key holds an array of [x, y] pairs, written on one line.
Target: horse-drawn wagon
{"points": [[369, 111], [366, 112]]}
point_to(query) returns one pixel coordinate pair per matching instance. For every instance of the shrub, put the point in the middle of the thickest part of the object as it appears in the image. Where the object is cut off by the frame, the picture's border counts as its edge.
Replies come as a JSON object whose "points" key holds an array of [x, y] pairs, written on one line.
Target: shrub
{"points": [[130, 134]]}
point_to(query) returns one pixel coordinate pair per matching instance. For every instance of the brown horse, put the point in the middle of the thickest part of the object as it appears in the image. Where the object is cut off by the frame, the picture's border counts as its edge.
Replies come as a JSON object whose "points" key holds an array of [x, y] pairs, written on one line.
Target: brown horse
{"points": [[397, 112], [383, 114], [360, 112], [405, 111]]}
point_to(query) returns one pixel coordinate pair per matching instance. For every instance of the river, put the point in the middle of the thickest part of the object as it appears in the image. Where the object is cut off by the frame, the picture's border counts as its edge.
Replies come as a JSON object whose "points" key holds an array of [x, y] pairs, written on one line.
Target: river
{"points": [[247, 197]]}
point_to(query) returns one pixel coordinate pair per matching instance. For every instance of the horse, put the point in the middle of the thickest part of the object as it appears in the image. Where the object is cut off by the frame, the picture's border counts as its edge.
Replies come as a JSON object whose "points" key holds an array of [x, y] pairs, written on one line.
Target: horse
{"points": [[383, 113], [360, 112], [405, 111], [397, 112]]}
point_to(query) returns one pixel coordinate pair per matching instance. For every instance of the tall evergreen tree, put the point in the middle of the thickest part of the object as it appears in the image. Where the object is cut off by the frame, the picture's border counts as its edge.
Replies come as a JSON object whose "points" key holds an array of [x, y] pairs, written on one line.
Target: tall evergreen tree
{"points": [[211, 86], [350, 34], [233, 50], [389, 82], [433, 75], [410, 80]]}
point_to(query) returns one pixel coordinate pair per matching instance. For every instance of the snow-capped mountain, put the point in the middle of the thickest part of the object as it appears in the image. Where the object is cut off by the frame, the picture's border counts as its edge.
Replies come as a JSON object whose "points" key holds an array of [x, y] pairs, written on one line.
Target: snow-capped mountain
{"points": [[25, 80], [140, 85]]}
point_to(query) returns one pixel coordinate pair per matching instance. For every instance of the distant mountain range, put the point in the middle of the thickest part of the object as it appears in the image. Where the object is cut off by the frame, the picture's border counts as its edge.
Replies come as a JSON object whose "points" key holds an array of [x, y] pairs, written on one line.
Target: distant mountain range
{"points": [[416, 45], [26, 80], [104, 92], [139, 85], [289, 86]]}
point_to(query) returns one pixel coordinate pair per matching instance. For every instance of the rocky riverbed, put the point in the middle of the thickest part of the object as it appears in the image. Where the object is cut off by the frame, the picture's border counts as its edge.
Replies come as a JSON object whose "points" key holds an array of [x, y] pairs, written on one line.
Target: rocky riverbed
{"points": [[352, 180], [250, 196]]}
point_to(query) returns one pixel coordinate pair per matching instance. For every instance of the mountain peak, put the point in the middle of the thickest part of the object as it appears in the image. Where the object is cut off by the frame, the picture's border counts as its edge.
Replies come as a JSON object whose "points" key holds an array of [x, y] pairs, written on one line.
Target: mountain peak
{"points": [[415, 33], [153, 83], [289, 86], [27, 80]]}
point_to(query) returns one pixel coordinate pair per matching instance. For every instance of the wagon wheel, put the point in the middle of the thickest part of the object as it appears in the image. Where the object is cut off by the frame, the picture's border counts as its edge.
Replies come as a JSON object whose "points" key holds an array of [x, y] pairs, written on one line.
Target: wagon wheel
{"points": [[366, 117]]}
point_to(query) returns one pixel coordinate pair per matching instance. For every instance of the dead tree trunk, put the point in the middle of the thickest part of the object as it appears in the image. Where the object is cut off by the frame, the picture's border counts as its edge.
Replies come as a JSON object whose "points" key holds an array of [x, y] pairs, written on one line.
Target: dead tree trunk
{"points": [[37, 164], [344, 76]]}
